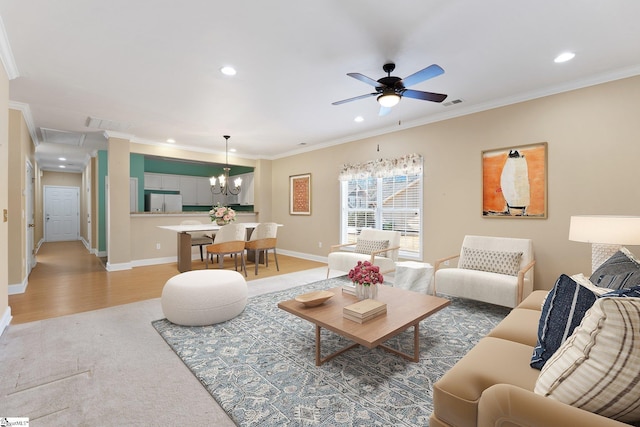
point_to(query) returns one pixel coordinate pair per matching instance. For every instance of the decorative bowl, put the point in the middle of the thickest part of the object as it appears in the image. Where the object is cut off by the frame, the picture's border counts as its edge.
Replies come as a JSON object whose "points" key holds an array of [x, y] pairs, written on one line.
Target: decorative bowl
{"points": [[313, 299]]}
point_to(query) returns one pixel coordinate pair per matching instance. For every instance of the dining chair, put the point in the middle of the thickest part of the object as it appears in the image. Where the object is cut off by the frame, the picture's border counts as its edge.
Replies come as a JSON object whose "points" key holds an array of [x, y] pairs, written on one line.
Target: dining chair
{"points": [[263, 238], [229, 240], [198, 238]]}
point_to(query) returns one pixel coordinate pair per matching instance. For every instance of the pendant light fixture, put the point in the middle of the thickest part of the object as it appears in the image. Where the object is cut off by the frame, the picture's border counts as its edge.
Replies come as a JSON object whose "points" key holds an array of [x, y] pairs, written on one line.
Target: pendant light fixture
{"points": [[223, 180]]}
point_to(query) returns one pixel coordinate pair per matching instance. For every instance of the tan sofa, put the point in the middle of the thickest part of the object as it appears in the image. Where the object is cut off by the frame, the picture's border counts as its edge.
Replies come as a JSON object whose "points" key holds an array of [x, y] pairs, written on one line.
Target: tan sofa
{"points": [[493, 384]]}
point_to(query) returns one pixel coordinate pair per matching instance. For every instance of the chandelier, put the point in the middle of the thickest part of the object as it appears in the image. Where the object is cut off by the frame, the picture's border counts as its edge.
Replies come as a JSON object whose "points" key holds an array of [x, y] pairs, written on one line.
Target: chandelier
{"points": [[223, 180]]}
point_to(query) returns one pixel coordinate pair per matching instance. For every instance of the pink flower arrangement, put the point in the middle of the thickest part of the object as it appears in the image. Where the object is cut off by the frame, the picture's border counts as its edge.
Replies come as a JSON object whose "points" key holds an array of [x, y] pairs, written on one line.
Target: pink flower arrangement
{"points": [[365, 273], [222, 213]]}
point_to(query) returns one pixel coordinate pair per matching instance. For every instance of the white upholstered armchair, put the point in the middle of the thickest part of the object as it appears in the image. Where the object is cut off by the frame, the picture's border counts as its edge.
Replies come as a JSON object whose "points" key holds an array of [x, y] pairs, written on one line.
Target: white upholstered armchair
{"points": [[497, 270], [381, 247]]}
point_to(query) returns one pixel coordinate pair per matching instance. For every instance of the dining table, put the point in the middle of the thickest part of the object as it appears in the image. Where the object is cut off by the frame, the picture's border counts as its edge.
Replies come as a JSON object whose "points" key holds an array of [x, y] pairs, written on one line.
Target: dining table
{"points": [[184, 239]]}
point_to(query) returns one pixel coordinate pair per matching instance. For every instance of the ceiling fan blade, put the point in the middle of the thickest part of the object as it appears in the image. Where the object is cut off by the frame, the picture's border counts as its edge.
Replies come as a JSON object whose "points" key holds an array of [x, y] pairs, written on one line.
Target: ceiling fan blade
{"points": [[425, 96], [355, 98], [365, 79], [428, 73], [384, 111]]}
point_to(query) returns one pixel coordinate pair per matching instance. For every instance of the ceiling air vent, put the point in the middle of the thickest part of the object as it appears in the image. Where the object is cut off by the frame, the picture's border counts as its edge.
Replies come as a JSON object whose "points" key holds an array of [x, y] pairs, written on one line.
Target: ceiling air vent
{"points": [[104, 124], [54, 136], [450, 103]]}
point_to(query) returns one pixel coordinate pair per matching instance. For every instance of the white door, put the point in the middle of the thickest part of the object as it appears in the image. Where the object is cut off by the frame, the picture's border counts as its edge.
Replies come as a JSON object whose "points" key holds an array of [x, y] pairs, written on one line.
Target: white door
{"points": [[61, 213], [30, 220]]}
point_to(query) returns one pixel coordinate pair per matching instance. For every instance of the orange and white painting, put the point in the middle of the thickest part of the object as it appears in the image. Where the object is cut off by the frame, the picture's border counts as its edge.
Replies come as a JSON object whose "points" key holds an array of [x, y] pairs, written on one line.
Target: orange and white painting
{"points": [[514, 182]]}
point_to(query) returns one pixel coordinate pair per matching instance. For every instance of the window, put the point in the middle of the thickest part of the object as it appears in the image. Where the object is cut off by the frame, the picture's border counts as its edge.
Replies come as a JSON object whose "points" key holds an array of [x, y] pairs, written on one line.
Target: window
{"points": [[385, 194]]}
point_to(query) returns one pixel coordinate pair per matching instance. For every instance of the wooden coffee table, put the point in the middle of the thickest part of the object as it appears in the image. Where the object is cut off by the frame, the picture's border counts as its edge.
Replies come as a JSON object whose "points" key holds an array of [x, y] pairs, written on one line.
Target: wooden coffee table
{"points": [[404, 309]]}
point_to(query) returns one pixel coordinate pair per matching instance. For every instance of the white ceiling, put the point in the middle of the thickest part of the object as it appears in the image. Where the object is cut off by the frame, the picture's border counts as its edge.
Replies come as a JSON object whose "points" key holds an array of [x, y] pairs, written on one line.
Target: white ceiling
{"points": [[150, 68]]}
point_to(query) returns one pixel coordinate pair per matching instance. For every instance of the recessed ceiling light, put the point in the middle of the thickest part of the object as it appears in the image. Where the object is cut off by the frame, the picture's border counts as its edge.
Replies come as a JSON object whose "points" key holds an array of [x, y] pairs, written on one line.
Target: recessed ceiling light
{"points": [[564, 57], [233, 150], [359, 119], [171, 140], [62, 166], [228, 71], [62, 159]]}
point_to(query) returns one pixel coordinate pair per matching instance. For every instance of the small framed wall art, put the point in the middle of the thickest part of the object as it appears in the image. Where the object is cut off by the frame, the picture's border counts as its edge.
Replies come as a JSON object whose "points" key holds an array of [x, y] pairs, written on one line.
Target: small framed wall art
{"points": [[514, 182], [300, 194]]}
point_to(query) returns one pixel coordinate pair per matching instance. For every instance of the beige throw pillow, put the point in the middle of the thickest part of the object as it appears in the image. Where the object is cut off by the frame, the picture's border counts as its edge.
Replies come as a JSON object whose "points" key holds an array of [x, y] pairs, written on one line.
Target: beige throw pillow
{"points": [[598, 368], [364, 246], [492, 261]]}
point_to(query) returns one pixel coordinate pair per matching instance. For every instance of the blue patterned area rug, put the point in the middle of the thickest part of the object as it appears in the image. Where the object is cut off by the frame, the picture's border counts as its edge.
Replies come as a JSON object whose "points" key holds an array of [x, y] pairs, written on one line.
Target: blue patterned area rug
{"points": [[260, 366]]}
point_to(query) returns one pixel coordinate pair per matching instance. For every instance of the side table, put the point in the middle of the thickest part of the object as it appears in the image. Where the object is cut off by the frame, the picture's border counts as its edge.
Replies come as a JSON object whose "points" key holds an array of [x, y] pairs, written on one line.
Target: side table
{"points": [[414, 276]]}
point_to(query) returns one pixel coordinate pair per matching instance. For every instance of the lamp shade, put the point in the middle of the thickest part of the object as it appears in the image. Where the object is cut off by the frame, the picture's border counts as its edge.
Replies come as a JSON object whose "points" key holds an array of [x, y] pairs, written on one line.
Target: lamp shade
{"points": [[610, 229]]}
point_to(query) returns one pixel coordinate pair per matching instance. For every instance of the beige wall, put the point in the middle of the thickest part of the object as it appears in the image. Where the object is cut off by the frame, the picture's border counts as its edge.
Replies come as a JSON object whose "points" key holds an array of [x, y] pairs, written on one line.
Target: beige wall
{"points": [[62, 179], [20, 151], [118, 222], [593, 137], [4, 199]]}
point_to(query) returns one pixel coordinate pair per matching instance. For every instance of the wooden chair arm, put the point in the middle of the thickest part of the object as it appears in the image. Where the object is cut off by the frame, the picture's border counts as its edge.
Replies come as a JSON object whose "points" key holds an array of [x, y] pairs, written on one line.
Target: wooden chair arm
{"points": [[336, 247], [441, 260], [381, 251], [521, 274]]}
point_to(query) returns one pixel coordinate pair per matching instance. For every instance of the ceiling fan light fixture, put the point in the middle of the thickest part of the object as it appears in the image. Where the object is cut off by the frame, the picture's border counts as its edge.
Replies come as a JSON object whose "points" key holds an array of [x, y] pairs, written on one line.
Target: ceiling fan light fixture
{"points": [[388, 99]]}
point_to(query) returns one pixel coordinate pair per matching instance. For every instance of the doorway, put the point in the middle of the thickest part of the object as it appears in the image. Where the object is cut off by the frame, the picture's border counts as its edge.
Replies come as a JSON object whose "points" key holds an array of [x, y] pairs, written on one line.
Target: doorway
{"points": [[61, 213], [30, 254]]}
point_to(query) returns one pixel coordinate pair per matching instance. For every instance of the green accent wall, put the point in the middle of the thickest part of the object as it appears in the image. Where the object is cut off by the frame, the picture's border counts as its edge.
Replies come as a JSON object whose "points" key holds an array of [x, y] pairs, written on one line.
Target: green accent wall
{"points": [[177, 167], [136, 170]]}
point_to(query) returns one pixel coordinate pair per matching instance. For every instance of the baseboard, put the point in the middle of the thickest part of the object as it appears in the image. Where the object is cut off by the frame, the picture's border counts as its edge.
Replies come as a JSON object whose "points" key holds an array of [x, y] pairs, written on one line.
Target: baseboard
{"points": [[119, 267], [154, 261], [310, 257], [86, 244], [19, 288], [5, 320], [101, 254]]}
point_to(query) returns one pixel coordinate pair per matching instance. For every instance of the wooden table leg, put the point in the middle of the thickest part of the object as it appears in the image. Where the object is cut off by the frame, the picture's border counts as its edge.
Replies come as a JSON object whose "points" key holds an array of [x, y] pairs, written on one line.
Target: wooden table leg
{"points": [[416, 346], [184, 252], [319, 359]]}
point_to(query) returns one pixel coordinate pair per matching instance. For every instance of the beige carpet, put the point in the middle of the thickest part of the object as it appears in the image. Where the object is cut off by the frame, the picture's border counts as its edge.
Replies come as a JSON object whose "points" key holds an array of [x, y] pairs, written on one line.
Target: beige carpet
{"points": [[109, 367]]}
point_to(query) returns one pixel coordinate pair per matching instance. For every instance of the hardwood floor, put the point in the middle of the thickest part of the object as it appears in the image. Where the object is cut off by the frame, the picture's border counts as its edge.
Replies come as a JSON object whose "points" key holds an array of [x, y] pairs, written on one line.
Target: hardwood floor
{"points": [[68, 279]]}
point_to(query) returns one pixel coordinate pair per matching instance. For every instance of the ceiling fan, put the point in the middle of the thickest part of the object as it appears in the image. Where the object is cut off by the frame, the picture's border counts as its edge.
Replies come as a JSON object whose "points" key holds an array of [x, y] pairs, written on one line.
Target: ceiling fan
{"points": [[390, 89]]}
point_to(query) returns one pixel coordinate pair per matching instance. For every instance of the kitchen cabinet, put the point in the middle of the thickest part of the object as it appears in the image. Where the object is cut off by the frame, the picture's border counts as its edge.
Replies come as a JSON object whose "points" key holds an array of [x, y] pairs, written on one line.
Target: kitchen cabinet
{"points": [[159, 181], [196, 191], [188, 190], [203, 192], [246, 195]]}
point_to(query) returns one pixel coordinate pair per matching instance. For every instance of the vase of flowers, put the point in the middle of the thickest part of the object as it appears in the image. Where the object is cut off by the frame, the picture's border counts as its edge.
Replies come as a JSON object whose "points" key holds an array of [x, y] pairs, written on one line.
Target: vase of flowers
{"points": [[222, 215], [366, 277]]}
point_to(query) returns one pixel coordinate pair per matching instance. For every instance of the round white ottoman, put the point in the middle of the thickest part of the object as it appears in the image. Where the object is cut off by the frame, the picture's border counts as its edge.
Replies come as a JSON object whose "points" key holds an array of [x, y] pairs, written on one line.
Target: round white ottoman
{"points": [[204, 297]]}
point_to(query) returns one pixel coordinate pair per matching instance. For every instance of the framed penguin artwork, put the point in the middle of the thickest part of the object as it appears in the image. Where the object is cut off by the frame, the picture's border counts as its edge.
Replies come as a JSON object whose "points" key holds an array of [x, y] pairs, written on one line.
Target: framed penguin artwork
{"points": [[514, 182]]}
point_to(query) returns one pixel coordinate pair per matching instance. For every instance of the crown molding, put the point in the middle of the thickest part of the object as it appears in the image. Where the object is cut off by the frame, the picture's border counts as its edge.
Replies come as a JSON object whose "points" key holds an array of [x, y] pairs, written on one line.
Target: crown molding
{"points": [[28, 118], [120, 135], [6, 55]]}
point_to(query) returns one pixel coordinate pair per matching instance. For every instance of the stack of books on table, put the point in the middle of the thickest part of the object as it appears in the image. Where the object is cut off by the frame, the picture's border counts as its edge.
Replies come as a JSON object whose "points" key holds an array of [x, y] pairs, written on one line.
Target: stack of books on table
{"points": [[364, 310], [349, 289]]}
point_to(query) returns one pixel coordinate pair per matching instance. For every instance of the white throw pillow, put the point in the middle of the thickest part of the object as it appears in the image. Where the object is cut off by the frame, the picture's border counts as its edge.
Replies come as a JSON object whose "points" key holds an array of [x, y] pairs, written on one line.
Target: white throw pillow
{"points": [[364, 246], [598, 368]]}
